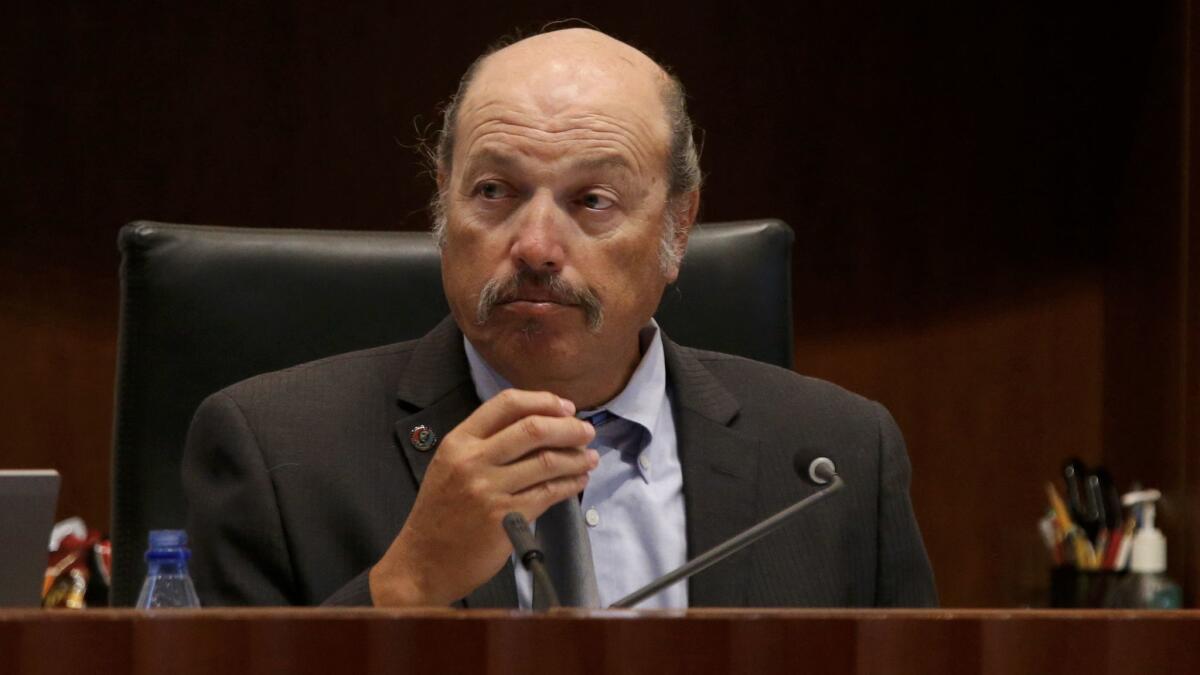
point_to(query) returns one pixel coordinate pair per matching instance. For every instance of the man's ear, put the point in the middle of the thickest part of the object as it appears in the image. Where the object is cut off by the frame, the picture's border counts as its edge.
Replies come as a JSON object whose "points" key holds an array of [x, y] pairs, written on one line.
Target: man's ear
{"points": [[684, 208], [689, 209], [443, 179]]}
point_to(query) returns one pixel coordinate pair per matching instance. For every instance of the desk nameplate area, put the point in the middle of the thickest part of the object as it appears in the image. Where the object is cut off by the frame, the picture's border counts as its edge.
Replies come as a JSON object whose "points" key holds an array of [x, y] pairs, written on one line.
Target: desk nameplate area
{"points": [[336, 641]]}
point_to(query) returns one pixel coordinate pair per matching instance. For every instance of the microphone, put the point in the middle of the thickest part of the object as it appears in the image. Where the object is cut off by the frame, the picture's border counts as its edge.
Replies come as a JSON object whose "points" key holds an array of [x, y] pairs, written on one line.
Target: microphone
{"points": [[820, 470], [526, 548]]}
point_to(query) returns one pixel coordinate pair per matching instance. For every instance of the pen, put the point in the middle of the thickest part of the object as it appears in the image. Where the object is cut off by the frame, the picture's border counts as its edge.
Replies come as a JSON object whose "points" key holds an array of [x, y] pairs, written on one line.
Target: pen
{"points": [[1076, 543], [1126, 548]]}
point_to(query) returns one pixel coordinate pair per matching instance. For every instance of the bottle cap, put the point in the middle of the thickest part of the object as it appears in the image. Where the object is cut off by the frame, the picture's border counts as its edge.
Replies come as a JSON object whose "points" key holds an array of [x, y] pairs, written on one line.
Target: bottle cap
{"points": [[168, 545], [160, 539]]}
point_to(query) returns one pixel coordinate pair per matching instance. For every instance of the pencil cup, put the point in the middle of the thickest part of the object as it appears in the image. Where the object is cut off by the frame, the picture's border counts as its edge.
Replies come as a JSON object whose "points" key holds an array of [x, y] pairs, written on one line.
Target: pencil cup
{"points": [[1081, 589]]}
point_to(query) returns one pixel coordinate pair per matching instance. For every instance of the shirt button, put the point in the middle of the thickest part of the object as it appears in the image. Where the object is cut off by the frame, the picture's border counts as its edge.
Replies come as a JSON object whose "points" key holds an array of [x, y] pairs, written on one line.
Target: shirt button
{"points": [[592, 517], [644, 462]]}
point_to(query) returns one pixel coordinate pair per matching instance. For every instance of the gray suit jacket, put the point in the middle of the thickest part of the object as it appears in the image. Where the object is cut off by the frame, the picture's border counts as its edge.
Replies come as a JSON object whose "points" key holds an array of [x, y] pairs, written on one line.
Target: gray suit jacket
{"points": [[297, 481]]}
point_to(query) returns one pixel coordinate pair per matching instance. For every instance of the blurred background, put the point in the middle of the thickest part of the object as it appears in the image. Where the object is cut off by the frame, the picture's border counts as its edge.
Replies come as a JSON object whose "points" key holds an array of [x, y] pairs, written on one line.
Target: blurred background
{"points": [[992, 209]]}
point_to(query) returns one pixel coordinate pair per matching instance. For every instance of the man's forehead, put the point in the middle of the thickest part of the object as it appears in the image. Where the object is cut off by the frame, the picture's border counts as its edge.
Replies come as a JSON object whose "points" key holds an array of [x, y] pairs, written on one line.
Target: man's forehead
{"points": [[572, 85], [584, 50], [568, 73]]}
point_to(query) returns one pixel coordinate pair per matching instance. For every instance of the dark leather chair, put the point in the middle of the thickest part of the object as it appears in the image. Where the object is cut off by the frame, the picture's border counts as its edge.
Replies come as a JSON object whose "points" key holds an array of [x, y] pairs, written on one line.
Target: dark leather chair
{"points": [[204, 307]]}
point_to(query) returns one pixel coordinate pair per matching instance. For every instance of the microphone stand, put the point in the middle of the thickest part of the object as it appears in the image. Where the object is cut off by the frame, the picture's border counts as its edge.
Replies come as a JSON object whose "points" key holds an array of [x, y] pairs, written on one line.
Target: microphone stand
{"points": [[721, 551], [526, 548]]}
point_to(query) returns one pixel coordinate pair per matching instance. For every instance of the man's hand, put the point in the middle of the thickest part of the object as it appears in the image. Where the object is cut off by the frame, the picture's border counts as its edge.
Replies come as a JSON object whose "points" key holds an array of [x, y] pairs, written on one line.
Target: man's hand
{"points": [[520, 451]]}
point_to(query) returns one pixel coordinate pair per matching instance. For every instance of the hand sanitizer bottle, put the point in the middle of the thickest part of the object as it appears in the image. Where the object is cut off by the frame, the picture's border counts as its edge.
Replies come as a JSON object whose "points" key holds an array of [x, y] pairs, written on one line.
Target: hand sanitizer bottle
{"points": [[1147, 585]]}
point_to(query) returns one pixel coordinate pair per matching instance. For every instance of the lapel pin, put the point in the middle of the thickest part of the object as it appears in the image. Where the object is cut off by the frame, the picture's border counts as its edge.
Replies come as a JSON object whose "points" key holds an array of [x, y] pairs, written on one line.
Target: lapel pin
{"points": [[422, 438]]}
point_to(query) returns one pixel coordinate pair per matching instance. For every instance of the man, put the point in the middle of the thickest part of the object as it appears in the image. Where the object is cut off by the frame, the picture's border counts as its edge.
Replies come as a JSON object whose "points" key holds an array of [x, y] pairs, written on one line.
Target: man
{"points": [[567, 185]]}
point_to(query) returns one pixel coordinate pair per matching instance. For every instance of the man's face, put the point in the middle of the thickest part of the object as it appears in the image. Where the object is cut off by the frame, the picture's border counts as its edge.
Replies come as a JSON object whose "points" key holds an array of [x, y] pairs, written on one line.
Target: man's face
{"points": [[555, 207]]}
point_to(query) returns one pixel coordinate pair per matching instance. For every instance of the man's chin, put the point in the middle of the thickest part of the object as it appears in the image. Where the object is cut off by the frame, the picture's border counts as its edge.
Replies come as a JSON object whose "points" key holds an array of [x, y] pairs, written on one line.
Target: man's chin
{"points": [[538, 348], [545, 332]]}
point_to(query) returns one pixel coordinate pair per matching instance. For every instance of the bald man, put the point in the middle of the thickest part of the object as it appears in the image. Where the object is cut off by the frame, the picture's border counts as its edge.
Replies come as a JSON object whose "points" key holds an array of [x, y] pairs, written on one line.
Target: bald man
{"points": [[568, 182]]}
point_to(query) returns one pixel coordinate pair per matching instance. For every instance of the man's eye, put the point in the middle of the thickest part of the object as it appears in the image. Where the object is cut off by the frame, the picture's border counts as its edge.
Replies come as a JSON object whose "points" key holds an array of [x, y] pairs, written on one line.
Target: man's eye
{"points": [[596, 201], [492, 190]]}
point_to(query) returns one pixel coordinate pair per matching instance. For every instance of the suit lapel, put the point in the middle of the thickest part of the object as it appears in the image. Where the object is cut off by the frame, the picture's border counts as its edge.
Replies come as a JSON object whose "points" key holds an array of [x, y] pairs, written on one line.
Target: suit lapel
{"points": [[436, 393], [437, 419], [720, 474]]}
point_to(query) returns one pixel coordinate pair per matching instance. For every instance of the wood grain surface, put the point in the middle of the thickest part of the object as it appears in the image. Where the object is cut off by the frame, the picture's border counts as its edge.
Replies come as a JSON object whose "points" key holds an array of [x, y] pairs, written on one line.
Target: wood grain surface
{"points": [[963, 642]]}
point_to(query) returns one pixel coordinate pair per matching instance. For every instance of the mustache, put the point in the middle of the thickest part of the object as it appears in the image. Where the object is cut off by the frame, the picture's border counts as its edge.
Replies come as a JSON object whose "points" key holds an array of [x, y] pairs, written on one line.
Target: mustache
{"points": [[506, 289]]}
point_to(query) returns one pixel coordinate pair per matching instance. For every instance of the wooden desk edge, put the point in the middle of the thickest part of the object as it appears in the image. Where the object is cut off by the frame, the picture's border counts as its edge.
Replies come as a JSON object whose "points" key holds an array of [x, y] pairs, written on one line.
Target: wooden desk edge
{"points": [[701, 615]]}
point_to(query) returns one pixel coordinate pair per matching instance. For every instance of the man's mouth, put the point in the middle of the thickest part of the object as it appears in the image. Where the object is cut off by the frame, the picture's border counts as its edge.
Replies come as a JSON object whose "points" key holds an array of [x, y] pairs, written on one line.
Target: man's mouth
{"points": [[528, 294], [535, 297], [534, 303]]}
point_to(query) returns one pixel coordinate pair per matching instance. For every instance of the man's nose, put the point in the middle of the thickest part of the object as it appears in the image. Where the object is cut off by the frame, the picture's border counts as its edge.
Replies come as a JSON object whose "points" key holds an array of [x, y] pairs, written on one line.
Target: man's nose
{"points": [[538, 244]]}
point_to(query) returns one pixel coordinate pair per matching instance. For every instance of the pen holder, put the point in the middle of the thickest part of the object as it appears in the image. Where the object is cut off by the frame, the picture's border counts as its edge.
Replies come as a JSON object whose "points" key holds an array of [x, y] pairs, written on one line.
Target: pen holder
{"points": [[1073, 588]]}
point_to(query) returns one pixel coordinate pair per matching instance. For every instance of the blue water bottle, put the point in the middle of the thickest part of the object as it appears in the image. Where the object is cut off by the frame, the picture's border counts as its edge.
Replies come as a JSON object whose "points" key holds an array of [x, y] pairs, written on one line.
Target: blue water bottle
{"points": [[167, 581]]}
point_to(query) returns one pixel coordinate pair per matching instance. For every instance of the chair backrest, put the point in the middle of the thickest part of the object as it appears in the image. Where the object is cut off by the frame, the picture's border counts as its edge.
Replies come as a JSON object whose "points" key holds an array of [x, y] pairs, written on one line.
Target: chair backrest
{"points": [[204, 307]]}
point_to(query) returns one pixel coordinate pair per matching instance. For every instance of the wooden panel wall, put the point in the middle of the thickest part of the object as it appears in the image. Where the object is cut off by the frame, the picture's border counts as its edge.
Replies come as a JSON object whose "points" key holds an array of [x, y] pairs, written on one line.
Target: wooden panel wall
{"points": [[1146, 291], [989, 202], [1191, 268]]}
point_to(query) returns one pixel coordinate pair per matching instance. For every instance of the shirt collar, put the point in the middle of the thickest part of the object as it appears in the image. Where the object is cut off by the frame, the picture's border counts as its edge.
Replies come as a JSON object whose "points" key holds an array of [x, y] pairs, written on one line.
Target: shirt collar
{"points": [[639, 402]]}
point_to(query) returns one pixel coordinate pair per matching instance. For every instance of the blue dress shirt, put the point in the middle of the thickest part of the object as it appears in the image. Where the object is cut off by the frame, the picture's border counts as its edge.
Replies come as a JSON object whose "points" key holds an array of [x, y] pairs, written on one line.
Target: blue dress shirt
{"points": [[633, 503]]}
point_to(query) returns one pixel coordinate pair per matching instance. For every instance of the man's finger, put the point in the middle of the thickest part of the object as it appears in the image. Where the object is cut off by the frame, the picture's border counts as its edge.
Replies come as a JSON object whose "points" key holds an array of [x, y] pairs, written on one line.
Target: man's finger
{"points": [[511, 405], [546, 464], [533, 501], [537, 431]]}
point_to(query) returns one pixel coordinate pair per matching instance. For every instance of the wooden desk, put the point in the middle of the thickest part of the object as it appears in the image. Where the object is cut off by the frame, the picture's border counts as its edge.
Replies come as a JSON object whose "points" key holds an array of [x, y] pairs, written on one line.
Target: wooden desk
{"points": [[332, 642]]}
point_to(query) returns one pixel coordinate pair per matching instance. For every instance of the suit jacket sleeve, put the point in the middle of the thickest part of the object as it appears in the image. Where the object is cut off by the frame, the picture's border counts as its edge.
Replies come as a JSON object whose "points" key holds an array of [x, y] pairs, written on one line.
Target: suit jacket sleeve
{"points": [[905, 578], [238, 539]]}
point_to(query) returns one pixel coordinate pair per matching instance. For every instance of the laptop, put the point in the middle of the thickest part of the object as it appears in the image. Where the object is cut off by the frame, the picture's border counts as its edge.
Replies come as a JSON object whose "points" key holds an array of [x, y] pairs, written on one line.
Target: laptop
{"points": [[28, 499]]}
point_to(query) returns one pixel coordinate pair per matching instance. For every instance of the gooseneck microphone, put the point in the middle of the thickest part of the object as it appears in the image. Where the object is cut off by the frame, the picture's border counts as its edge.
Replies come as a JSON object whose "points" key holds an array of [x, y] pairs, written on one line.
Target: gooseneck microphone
{"points": [[820, 470], [526, 548]]}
